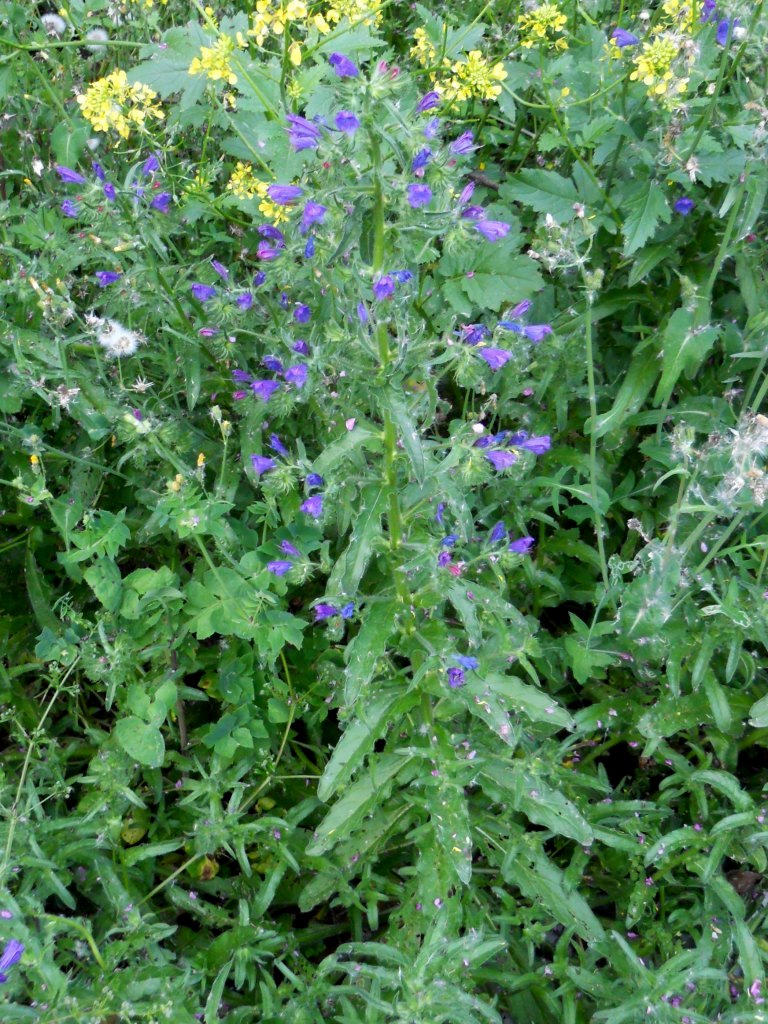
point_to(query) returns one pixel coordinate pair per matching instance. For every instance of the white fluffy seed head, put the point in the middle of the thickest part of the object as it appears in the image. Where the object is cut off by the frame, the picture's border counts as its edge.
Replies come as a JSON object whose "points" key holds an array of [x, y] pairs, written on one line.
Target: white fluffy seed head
{"points": [[118, 341]]}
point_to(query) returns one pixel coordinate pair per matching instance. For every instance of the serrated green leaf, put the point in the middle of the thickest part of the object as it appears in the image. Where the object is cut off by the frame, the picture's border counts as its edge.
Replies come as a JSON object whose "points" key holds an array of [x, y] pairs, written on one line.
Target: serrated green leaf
{"points": [[644, 209], [543, 191]]}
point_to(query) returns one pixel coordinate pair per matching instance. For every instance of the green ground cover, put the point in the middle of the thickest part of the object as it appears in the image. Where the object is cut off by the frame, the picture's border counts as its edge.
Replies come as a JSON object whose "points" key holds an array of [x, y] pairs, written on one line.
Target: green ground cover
{"points": [[383, 603]]}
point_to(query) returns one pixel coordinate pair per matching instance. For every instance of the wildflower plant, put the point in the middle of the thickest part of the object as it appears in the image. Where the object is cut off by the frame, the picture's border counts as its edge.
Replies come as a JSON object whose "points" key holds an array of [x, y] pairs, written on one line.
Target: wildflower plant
{"points": [[383, 476]]}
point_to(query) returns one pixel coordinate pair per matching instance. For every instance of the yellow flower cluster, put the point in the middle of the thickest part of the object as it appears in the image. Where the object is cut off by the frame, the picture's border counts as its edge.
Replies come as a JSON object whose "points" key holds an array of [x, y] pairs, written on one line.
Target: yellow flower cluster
{"points": [[112, 103], [471, 77], [653, 67], [543, 24], [244, 184], [215, 62], [149, 4], [275, 16], [680, 13]]}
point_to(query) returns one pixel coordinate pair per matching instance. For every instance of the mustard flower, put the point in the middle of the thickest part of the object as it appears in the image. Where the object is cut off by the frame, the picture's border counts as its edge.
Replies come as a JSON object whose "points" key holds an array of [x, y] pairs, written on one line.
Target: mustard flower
{"points": [[215, 62], [111, 103], [543, 25]]}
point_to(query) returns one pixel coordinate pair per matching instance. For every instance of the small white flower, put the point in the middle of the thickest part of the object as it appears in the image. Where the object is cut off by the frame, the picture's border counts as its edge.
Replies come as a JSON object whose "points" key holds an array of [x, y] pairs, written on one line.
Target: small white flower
{"points": [[117, 340], [54, 25], [739, 33], [37, 167], [141, 385], [65, 395]]}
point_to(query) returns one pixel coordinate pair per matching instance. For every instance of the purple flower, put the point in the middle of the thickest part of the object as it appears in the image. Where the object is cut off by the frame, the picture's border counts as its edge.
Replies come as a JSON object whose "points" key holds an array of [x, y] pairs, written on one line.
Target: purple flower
{"points": [[277, 445], [98, 170], [431, 128], [402, 275], [10, 956], [466, 193], [449, 540], [309, 248], [623, 38], [348, 610], [279, 567], [684, 205], [302, 314], [455, 678], [244, 301], [267, 252], [421, 159], [259, 278], [262, 464], [269, 231], [755, 990], [419, 195], [501, 460], [721, 36], [492, 230], [427, 102], [343, 66], [473, 213], [521, 308], [264, 389], [498, 533], [314, 480], [708, 9], [439, 512], [521, 546], [284, 195], [495, 357], [537, 332], [466, 661], [161, 202], [109, 191], [346, 121], [444, 559], [106, 277], [272, 363], [296, 375], [383, 288], [537, 445], [313, 213], [288, 549], [301, 347], [325, 611], [302, 134], [69, 209], [472, 334], [150, 165], [241, 377], [70, 176], [362, 313], [220, 269], [203, 292], [313, 506], [463, 145]]}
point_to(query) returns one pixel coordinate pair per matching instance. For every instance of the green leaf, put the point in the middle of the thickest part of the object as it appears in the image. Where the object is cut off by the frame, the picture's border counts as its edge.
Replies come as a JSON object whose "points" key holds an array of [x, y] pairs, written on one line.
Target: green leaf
{"points": [[143, 742], [645, 208], [545, 885], [634, 389], [358, 738], [536, 704], [758, 713], [104, 579], [544, 192], [364, 794], [409, 434], [167, 70], [366, 648], [449, 816], [39, 597], [352, 563], [683, 350]]}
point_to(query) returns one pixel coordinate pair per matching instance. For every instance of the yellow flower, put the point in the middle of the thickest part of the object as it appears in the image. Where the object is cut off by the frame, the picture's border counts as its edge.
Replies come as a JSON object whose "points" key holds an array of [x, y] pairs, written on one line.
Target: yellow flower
{"points": [[366, 11], [653, 67], [215, 61], [422, 49], [244, 184], [679, 13], [473, 77], [149, 4], [542, 25], [294, 53], [112, 103], [277, 214]]}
